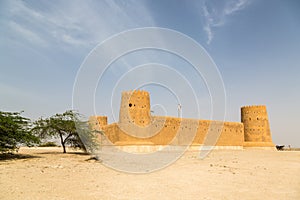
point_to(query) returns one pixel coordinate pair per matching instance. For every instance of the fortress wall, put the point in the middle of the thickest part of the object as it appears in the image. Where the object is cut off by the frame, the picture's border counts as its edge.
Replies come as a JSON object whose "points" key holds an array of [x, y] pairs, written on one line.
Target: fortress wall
{"points": [[97, 123], [93, 123], [111, 133], [173, 131], [219, 133], [232, 134], [162, 131], [102, 121], [177, 131], [137, 126], [159, 131]]}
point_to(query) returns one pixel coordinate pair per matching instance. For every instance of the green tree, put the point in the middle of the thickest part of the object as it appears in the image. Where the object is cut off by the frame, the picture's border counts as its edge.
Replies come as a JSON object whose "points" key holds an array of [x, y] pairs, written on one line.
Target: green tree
{"points": [[69, 129], [15, 131]]}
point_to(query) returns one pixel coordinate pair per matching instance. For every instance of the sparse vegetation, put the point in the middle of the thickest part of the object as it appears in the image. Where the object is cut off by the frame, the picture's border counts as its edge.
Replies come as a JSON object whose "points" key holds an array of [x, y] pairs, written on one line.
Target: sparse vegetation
{"points": [[48, 144], [69, 129], [15, 131]]}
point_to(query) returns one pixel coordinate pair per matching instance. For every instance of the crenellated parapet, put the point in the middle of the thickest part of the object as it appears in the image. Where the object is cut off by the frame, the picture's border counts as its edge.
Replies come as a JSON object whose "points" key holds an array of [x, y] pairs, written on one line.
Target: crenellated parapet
{"points": [[254, 107]]}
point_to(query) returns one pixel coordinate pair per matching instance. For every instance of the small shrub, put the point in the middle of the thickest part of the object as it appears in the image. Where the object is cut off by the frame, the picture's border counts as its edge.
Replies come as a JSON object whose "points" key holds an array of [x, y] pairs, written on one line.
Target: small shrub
{"points": [[48, 144]]}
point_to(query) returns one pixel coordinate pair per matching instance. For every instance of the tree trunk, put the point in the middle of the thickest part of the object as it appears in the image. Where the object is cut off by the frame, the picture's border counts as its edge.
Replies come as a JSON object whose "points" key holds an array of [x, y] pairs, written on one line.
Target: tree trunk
{"points": [[64, 148], [62, 142]]}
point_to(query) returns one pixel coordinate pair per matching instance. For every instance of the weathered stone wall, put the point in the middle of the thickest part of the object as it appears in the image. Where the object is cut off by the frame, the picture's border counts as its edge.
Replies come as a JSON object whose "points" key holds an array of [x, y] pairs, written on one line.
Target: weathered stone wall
{"points": [[111, 133], [177, 131], [102, 121], [228, 133], [256, 126], [97, 122]]}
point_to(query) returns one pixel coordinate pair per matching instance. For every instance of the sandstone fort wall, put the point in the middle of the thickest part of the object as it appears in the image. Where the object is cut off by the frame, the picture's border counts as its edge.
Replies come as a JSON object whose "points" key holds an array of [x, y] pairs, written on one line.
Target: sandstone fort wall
{"points": [[177, 131], [137, 126]]}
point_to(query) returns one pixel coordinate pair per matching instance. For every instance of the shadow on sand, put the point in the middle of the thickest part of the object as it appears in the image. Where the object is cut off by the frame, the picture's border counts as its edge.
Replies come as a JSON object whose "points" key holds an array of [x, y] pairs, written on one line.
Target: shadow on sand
{"points": [[16, 156], [56, 152]]}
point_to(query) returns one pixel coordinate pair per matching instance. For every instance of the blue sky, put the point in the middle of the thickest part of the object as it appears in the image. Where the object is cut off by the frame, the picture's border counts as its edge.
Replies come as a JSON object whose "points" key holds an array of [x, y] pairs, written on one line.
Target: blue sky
{"points": [[255, 45]]}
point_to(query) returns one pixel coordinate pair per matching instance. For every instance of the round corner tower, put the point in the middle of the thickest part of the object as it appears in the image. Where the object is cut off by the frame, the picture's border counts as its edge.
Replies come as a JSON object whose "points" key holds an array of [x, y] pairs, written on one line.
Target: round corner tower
{"points": [[135, 108], [256, 126]]}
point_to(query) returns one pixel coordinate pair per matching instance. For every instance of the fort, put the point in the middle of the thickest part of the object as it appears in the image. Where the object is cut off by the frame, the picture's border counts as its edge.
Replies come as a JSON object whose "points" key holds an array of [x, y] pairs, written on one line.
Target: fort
{"points": [[136, 126]]}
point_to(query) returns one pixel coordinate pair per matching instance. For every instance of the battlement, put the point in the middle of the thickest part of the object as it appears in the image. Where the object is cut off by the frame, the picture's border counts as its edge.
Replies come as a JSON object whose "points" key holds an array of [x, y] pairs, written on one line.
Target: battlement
{"points": [[254, 107], [135, 92]]}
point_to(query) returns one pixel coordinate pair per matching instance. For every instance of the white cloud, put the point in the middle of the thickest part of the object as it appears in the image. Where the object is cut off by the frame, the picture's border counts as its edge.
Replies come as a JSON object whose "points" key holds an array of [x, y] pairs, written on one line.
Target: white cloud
{"points": [[216, 14], [76, 24], [62, 32], [207, 25], [29, 35], [234, 6]]}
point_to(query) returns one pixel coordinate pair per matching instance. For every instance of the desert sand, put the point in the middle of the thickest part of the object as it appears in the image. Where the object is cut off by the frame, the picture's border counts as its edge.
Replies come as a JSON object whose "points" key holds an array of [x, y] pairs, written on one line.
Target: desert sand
{"points": [[46, 173]]}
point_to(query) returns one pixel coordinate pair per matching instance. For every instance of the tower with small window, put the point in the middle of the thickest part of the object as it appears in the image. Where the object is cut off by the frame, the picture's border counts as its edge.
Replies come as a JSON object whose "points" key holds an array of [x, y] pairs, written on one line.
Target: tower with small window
{"points": [[135, 108], [256, 126]]}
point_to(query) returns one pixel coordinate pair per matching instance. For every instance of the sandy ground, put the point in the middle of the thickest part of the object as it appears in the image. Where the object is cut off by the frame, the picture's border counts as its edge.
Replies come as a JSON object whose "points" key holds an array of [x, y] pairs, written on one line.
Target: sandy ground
{"points": [[224, 174]]}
